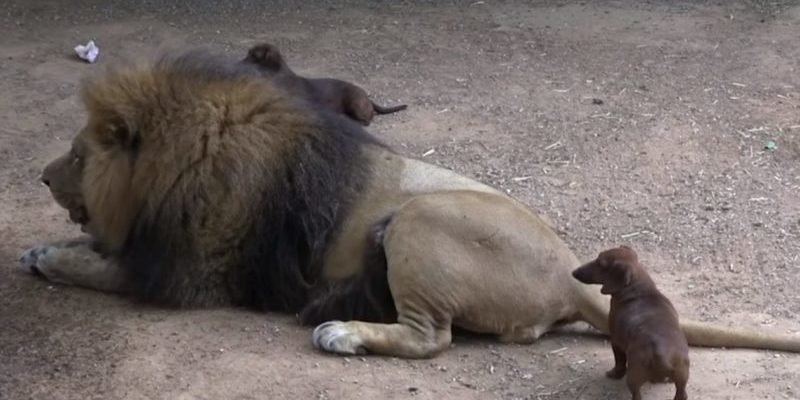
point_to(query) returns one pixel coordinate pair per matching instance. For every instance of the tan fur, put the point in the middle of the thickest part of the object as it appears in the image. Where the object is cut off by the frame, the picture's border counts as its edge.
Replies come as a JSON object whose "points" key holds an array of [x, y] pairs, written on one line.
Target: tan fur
{"points": [[458, 252]]}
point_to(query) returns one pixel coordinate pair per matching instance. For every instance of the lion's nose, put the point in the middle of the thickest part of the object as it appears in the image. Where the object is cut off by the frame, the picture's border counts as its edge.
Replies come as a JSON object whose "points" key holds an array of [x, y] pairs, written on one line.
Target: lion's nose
{"points": [[46, 181]]}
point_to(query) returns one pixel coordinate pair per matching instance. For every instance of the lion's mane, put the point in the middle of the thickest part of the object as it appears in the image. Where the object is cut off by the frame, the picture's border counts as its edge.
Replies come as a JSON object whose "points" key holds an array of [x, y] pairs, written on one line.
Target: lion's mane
{"points": [[211, 186]]}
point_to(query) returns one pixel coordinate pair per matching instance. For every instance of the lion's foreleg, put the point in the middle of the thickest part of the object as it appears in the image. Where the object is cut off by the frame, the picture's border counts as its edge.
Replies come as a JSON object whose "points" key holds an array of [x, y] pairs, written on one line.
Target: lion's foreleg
{"points": [[74, 262]]}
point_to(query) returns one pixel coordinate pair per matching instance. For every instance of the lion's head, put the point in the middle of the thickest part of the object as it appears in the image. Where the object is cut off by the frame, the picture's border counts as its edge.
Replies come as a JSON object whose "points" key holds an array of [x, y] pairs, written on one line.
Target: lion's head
{"points": [[93, 180], [154, 137]]}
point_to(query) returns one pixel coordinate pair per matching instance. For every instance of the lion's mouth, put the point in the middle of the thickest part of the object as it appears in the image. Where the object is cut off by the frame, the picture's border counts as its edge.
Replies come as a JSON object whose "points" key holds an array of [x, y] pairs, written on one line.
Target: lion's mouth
{"points": [[79, 215]]}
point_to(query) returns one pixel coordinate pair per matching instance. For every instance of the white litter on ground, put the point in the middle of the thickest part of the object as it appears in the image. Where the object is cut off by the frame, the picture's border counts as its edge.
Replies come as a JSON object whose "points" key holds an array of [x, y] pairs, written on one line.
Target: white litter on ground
{"points": [[88, 52]]}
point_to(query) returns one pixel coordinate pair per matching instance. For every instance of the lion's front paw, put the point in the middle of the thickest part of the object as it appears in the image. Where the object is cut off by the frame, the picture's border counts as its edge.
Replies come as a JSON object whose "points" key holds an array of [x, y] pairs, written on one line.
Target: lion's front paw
{"points": [[32, 260], [43, 260], [335, 337]]}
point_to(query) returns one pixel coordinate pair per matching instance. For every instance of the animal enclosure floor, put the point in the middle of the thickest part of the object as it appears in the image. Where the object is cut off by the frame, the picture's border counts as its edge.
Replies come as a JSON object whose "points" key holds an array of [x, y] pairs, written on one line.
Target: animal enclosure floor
{"points": [[621, 122]]}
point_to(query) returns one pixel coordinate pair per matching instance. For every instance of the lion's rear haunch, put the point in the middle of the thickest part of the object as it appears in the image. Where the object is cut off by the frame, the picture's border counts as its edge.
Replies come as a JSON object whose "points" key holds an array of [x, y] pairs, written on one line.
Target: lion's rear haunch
{"points": [[235, 189]]}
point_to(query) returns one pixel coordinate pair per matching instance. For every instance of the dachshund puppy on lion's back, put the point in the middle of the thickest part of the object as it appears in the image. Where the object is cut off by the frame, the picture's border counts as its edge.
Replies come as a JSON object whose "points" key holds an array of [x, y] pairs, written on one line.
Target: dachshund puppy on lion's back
{"points": [[646, 338], [333, 94]]}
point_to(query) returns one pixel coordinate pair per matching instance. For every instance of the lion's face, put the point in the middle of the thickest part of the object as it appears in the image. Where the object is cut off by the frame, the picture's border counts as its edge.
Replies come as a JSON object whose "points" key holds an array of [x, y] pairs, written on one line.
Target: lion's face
{"points": [[92, 181], [64, 176]]}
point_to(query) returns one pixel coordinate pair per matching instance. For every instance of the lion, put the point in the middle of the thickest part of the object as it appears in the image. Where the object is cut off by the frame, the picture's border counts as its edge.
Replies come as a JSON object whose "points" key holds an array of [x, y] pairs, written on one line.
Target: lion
{"points": [[199, 183]]}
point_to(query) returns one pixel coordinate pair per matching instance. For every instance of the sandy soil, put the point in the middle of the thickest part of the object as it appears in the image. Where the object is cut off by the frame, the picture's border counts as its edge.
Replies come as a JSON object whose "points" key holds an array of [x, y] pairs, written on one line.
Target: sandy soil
{"points": [[672, 162]]}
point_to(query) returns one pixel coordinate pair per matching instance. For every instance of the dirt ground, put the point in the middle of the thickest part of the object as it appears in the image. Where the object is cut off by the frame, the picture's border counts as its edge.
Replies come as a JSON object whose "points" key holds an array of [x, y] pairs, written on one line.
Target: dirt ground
{"points": [[622, 122]]}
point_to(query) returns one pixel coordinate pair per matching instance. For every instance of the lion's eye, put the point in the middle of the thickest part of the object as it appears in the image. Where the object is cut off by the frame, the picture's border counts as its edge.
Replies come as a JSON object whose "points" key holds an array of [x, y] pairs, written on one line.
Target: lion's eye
{"points": [[76, 159]]}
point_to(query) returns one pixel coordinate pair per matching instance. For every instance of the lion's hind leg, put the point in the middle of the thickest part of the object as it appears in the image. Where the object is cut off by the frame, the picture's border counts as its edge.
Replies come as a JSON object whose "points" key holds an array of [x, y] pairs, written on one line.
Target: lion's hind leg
{"points": [[451, 258], [402, 339]]}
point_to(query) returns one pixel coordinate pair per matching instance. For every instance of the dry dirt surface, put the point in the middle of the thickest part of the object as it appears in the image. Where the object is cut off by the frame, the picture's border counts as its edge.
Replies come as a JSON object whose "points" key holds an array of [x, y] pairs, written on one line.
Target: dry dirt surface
{"points": [[622, 122]]}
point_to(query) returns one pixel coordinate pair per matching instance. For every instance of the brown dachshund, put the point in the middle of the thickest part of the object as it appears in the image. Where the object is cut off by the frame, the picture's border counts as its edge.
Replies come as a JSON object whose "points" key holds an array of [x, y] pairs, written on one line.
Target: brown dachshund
{"points": [[643, 323], [334, 94]]}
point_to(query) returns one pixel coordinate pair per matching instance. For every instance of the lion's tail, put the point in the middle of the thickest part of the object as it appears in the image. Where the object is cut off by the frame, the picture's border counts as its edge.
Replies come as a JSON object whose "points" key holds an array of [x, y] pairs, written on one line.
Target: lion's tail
{"points": [[710, 335], [593, 308]]}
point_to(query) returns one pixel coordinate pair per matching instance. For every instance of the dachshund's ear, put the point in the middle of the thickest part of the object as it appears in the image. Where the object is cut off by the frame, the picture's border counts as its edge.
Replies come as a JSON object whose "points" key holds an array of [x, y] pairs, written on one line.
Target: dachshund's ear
{"points": [[630, 252], [618, 277]]}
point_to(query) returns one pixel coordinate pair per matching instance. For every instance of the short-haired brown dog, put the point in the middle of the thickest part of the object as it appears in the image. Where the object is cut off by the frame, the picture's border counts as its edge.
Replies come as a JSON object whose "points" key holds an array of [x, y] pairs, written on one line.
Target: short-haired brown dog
{"points": [[334, 94], [642, 322]]}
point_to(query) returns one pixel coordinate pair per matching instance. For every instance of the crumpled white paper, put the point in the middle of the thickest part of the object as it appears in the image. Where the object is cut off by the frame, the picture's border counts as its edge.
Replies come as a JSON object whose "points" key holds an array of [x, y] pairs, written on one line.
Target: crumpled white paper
{"points": [[88, 52]]}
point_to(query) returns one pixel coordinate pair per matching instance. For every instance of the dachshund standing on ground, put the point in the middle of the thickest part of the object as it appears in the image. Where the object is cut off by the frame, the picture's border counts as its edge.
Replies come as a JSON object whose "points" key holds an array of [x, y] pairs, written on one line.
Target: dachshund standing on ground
{"points": [[334, 94], [643, 323]]}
